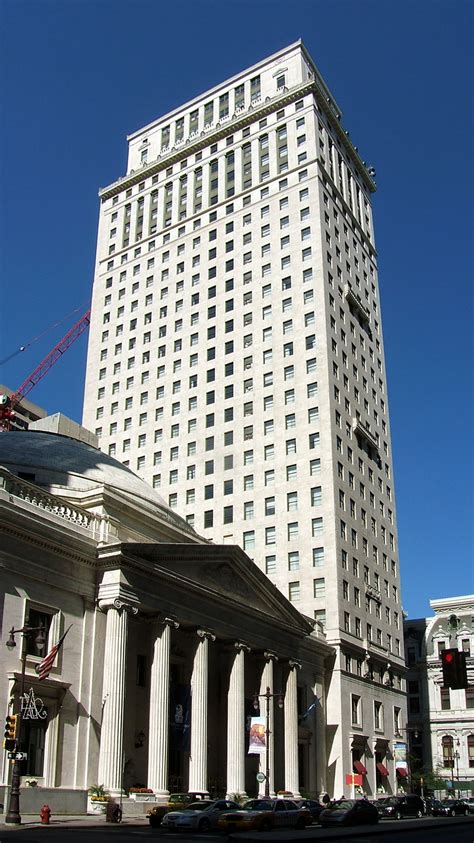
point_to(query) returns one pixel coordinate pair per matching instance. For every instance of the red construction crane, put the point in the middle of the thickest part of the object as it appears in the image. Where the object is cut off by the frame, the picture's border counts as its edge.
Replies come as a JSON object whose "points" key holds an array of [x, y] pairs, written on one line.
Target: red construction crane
{"points": [[9, 403]]}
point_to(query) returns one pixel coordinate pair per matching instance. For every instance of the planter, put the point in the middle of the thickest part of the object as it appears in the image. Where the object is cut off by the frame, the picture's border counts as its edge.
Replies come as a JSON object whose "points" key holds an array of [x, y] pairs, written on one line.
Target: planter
{"points": [[142, 797], [96, 806]]}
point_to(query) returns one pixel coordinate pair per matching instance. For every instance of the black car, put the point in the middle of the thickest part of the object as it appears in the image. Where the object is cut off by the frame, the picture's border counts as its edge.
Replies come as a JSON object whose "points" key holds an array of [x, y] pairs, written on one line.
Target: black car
{"points": [[313, 807], [398, 807], [349, 812], [450, 808]]}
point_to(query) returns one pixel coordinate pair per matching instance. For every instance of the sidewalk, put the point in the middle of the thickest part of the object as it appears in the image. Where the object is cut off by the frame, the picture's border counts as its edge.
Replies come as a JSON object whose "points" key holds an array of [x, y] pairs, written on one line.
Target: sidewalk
{"points": [[79, 820]]}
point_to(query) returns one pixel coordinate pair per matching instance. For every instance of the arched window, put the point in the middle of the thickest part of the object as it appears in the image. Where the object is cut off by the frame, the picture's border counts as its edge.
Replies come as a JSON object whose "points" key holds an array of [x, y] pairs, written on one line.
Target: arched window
{"points": [[470, 749], [448, 751]]}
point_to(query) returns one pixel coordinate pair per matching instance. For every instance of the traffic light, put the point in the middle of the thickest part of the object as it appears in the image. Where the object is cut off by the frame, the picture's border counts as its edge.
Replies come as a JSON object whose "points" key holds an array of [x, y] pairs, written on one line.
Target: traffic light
{"points": [[454, 668], [11, 724]]}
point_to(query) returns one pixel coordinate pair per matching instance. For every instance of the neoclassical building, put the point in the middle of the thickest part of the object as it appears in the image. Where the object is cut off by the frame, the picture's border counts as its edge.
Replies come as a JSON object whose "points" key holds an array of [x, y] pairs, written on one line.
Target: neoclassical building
{"points": [[441, 720], [171, 637]]}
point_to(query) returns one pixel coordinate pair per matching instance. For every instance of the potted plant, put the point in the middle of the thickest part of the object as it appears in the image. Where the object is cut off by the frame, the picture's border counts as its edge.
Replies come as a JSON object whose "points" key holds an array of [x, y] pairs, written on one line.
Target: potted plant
{"points": [[97, 800], [141, 794]]}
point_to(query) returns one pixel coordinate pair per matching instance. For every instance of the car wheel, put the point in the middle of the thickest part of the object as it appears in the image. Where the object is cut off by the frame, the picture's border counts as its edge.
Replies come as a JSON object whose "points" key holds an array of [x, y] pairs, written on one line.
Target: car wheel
{"points": [[204, 824], [155, 822], [398, 815], [265, 825], [466, 812], [452, 812], [419, 814], [300, 823]]}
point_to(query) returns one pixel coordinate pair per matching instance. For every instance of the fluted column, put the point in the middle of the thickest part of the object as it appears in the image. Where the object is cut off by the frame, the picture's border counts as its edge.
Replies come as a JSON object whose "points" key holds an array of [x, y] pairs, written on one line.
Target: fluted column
{"points": [[111, 737], [158, 746], [236, 722], [267, 682], [199, 713], [291, 730]]}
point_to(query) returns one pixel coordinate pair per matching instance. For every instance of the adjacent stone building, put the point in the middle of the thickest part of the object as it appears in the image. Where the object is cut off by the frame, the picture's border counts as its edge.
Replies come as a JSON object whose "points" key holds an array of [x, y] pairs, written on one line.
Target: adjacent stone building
{"points": [[170, 639], [441, 720]]}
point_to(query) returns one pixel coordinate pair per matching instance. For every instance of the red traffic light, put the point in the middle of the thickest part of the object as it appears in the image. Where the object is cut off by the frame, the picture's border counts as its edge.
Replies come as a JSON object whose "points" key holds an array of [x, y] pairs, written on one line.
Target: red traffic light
{"points": [[454, 668]]}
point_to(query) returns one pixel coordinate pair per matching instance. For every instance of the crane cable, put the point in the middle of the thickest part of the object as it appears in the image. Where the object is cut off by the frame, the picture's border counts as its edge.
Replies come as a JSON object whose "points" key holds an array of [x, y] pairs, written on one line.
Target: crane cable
{"points": [[39, 336]]}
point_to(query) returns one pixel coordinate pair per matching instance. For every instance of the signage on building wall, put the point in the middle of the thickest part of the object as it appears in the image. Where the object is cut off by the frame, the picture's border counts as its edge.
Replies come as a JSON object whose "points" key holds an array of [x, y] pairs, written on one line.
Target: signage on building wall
{"points": [[32, 707], [354, 779]]}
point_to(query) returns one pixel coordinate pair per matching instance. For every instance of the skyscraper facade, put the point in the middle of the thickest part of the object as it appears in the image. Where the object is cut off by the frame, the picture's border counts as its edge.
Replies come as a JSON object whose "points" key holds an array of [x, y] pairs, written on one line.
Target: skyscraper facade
{"points": [[236, 363]]}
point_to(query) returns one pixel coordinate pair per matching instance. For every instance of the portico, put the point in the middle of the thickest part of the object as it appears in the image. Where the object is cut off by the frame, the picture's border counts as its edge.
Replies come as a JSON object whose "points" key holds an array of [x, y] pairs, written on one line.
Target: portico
{"points": [[185, 609]]}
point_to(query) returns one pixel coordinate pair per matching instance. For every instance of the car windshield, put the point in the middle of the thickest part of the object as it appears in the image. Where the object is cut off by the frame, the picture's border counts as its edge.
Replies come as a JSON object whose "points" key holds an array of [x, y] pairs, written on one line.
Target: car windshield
{"points": [[258, 805], [344, 805], [392, 800], [200, 806]]}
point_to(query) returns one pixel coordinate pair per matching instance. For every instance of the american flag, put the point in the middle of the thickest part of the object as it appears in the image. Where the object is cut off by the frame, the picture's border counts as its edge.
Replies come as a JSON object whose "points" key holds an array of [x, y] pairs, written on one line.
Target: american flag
{"points": [[43, 669]]}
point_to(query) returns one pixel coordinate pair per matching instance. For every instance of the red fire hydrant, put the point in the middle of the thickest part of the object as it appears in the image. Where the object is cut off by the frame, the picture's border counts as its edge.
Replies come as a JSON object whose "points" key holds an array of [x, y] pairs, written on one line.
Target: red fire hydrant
{"points": [[45, 814]]}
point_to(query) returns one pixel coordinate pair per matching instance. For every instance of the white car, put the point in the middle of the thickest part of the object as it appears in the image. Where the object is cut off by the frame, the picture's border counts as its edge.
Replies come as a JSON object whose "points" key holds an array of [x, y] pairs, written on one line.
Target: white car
{"points": [[201, 815]]}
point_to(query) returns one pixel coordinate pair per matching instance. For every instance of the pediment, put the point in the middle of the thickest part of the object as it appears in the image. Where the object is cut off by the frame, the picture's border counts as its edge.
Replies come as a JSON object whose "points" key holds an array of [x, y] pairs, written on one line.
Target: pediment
{"points": [[224, 571]]}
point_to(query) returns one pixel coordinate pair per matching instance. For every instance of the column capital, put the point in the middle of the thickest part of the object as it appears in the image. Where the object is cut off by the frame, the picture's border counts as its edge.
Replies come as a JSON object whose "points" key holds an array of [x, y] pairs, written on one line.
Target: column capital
{"points": [[170, 622], [118, 604], [294, 665], [206, 633], [269, 656], [239, 645]]}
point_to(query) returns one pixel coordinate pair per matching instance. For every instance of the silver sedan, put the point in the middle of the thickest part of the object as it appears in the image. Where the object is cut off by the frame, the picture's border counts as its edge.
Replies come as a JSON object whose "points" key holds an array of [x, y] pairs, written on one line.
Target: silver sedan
{"points": [[201, 815]]}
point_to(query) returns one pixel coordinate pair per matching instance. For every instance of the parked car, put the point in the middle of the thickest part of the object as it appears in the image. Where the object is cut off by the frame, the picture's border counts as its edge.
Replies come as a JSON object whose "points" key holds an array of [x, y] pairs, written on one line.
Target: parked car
{"points": [[175, 801], [350, 812], [313, 807], [398, 807], [265, 815], [450, 808], [201, 815]]}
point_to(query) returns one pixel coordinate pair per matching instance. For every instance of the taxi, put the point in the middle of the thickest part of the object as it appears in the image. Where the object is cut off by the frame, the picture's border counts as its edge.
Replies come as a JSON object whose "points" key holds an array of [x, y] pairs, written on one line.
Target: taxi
{"points": [[264, 815]]}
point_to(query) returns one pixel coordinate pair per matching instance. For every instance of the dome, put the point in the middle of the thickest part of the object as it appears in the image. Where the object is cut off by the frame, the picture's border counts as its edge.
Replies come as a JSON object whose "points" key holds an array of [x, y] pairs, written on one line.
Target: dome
{"points": [[53, 460]]}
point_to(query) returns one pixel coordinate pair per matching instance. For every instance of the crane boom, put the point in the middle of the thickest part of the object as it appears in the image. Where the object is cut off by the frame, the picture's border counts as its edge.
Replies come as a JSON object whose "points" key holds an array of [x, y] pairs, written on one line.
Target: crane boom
{"points": [[8, 403]]}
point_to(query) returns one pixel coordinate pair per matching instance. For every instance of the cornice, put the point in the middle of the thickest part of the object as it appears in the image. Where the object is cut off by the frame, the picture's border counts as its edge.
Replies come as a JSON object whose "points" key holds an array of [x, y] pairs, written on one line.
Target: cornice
{"points": [[239, 121]]}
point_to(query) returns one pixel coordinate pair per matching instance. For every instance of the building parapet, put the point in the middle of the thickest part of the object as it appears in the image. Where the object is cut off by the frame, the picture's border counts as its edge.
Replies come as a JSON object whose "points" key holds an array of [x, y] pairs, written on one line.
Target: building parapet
{"points": [[220, 128]]}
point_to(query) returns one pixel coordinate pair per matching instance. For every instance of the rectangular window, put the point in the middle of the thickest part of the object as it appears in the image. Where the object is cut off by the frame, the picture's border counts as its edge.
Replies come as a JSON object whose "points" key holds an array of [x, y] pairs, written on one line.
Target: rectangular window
{"points": [[319, 588]]}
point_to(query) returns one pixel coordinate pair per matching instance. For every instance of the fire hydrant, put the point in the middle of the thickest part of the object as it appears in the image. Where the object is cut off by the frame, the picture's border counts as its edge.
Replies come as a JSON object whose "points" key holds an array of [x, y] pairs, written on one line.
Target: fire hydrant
{"points": [[45, 814]]}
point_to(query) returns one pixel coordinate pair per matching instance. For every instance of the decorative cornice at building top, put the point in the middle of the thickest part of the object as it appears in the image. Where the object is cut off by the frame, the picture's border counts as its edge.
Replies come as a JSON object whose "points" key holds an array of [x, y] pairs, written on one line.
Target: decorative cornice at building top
{"points": [[214, 132]]}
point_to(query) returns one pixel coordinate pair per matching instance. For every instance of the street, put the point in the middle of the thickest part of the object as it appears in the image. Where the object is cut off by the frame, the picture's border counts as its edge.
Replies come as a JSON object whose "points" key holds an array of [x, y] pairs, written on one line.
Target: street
{"points": [[427, 831]]}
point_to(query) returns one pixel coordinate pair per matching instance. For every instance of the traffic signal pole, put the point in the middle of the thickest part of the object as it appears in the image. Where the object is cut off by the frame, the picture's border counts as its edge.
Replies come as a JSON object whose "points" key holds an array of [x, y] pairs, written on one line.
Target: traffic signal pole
{"points": [[13, 816]]}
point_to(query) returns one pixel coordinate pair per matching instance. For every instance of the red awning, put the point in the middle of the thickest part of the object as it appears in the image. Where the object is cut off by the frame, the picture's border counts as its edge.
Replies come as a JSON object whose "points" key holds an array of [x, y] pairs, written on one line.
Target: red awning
{"points": [[382, 769], [402, 771], [359, 768]]}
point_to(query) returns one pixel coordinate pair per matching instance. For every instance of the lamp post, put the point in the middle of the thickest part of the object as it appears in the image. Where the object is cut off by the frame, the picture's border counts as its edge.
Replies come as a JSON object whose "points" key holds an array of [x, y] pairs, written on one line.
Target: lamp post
{"points": [[13, 815], [267, 696], [455, 760]]}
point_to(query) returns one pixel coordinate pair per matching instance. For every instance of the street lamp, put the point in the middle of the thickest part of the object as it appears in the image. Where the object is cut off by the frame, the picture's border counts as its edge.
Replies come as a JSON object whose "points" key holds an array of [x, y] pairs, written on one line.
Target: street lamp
{"points": [[13, 815], [268, 696], [455, 759]]}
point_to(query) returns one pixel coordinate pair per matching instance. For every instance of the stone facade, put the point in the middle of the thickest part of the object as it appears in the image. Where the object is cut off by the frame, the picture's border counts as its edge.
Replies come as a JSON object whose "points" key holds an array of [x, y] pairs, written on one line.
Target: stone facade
{"points": [[170, 637], [441, 720]]}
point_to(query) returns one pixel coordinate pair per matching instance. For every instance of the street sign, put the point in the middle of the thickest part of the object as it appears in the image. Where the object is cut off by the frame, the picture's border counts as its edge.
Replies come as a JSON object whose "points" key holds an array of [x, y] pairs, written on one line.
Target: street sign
{"points": [[261, 777], [21, 756]]}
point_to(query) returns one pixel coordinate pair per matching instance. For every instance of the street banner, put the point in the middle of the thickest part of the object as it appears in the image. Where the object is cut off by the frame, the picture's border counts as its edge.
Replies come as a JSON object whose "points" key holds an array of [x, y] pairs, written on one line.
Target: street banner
{"points": [[180, 717], [257, 736], [400, 755]]}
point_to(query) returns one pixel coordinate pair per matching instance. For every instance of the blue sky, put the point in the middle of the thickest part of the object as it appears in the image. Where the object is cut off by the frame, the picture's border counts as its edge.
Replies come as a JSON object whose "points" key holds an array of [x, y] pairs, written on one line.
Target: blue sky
{"points": [[79, 75]]}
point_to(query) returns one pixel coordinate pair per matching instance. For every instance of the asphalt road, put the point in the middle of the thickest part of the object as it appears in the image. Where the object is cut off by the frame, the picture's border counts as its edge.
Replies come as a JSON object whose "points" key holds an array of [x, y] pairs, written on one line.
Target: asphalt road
{"points": [[459, 830]]}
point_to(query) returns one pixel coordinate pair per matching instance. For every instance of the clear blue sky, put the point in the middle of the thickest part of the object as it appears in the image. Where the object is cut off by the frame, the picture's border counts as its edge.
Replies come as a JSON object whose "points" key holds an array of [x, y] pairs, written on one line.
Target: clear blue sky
{"points": [[78, 75]]}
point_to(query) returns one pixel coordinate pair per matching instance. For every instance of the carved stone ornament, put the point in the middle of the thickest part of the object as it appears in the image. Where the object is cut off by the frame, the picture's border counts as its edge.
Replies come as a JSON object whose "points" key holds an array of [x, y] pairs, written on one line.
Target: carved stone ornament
{"points": [[205, 633], [127, 607]]}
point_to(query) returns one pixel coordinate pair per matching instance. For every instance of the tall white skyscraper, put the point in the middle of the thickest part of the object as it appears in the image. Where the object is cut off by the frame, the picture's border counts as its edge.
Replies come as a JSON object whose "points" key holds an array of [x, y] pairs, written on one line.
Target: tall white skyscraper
{"points": [[236, 363]]}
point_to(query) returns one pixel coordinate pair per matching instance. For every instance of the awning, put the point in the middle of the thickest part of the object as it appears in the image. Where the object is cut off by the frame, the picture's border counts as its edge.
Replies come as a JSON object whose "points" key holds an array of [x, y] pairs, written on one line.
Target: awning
{"points": [[359, 768], [402, 771], [382, 769], [463, 785]]}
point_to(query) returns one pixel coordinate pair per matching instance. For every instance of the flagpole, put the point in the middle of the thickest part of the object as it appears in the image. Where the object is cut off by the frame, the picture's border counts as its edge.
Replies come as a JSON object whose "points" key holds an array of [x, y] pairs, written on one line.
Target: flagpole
{"points": [[13, 815]]}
